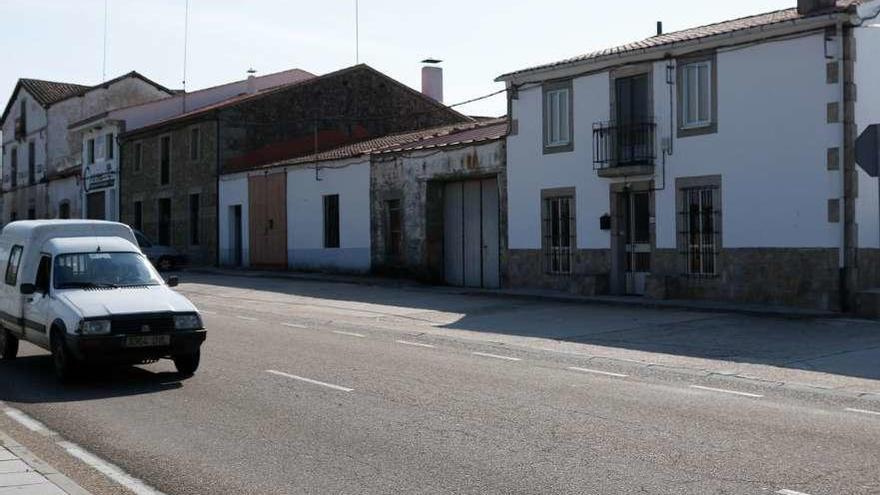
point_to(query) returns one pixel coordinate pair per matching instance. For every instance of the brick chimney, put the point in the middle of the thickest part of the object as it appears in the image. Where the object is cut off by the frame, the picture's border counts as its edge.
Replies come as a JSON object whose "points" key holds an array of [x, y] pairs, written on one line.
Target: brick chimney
{"points": [[807, 7]]}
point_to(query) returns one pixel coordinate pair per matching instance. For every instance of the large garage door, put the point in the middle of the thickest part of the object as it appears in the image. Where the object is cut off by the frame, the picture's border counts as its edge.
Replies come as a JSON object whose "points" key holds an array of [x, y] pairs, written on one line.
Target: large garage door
{"points": [[267, 195], [470, 233]]}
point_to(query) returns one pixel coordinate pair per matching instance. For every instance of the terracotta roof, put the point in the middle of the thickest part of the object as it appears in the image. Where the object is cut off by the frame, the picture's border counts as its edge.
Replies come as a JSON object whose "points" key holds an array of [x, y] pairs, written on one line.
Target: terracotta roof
{"points": [[697, 33], [49, 92], [435, 137]]}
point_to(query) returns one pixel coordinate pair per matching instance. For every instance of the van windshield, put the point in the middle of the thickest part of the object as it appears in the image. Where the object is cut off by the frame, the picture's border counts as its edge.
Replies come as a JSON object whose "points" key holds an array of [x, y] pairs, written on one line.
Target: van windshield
{"points": [[89, 270]]}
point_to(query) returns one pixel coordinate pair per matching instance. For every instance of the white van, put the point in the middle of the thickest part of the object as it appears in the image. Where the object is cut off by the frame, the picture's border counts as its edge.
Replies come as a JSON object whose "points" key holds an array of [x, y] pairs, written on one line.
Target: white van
{"points": [[83, 290]]}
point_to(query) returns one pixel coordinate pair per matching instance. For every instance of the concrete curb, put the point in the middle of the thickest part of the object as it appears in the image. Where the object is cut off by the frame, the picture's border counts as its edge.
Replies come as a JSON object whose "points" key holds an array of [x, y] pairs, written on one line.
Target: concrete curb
{"points": [[51, 474]]}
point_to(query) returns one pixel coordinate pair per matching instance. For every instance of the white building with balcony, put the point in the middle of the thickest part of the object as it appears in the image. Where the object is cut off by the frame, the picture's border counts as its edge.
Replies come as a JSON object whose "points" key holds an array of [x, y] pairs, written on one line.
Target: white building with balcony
{"points": [[716, 162]]}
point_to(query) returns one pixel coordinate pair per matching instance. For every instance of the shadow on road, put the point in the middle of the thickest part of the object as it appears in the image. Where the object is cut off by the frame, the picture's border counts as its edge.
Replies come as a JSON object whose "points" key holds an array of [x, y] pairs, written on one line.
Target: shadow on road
{"points": [[834, 346], [30, 379]]}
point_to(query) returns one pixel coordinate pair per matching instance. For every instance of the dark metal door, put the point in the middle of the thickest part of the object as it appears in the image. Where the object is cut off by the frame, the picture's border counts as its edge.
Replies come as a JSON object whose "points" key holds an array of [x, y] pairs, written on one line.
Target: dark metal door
{"points": [[637, 241]]}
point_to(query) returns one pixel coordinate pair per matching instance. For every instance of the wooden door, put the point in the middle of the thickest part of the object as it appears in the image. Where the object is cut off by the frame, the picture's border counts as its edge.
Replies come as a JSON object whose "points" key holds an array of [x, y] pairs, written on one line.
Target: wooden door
{"points": [[267, 197]]}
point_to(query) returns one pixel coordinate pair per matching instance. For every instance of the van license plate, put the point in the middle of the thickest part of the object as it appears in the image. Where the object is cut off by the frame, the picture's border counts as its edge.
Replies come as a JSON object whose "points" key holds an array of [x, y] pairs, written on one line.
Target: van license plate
{"points": [[148, 341]]}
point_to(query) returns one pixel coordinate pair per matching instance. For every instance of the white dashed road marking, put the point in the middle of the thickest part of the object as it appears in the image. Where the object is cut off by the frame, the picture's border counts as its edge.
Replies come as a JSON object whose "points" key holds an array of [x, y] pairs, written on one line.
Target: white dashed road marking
{"points": [[597, 372], [309, 380], [109, 470], [294, 325], [496, 356], [415, 344], [863, 411], [725, 391], [350, 334], [790, 492], [246, 318]]}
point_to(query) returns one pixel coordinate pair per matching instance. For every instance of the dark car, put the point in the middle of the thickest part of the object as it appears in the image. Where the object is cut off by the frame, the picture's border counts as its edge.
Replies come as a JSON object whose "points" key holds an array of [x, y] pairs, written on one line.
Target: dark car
{"points": [[164, 258]]}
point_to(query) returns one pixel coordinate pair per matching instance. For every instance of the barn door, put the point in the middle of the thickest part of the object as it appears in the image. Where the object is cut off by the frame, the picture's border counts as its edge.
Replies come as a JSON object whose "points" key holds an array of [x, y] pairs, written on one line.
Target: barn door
{"points": [[268, 220], [470, 233]]}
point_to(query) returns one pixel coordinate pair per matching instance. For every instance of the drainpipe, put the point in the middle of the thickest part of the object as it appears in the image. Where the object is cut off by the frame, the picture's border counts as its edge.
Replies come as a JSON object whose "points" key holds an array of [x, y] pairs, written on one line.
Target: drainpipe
{"points": [[850, 278], [217, 193]]}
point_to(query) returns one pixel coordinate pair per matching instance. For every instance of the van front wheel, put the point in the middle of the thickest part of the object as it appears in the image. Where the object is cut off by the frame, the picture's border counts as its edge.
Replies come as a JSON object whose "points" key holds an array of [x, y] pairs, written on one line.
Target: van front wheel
{"points": [[8, 345], [61, 358], [187, 364]]}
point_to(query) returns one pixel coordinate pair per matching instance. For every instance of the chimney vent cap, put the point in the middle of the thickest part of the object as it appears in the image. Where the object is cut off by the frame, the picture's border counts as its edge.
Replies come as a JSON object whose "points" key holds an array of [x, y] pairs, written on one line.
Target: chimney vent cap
{"points": [[431, 61]]}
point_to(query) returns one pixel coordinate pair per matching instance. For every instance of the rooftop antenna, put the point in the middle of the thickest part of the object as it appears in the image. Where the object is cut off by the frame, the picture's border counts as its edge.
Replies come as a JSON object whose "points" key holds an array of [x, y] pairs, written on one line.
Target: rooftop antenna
{"points": [[104, 65], [185, 42], [357, 33]]}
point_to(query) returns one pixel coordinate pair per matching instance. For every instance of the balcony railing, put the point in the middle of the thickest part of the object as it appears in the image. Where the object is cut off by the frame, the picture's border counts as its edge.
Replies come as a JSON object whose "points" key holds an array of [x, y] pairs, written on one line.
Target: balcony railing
{"points": [[621, 145]]}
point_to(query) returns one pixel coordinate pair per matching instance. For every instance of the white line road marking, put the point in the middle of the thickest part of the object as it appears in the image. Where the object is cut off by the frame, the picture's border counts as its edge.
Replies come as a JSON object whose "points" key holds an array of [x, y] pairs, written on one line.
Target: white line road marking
{"points": [[415, 344], [863, 411], [350, 334], [28, 422], [294, 325], [496, 356], [724, 391], [790, 492], [597, 372], [309, 380], [109, 470], [246, 318], [202, 311]]}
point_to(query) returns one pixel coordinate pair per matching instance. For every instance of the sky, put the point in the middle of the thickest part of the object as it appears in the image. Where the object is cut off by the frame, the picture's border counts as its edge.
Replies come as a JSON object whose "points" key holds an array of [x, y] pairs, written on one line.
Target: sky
{"points": [[478, 40]]}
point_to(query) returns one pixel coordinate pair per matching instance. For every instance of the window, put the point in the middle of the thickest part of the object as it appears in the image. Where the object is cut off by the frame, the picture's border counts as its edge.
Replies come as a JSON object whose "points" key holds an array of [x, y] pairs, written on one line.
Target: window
{"points": [[13, 216], [194, 219], [164, 160], [558, 232], [138, 215], [32, 213], [32, 163], [13, 167], [557, 117], [108, 146], [88, 270], [697, 97], [394, 231], [699, 224], [22, 114], [195, 143], [42, 280], [164, 207], [90, 151], [12, 265], [138, 156], [64, 210], [331, 221]]}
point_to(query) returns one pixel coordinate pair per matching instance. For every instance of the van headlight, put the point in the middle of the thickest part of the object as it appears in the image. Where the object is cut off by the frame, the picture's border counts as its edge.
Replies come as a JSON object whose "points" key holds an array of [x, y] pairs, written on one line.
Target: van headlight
{"points": [[187, 322], [94, 327]]}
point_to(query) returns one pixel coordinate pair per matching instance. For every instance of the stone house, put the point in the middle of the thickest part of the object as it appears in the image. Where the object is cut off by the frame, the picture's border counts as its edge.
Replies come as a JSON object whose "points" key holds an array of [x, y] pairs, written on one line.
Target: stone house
{"points": [[41, 158], [716, 162], [438, 206], [169, 171]]}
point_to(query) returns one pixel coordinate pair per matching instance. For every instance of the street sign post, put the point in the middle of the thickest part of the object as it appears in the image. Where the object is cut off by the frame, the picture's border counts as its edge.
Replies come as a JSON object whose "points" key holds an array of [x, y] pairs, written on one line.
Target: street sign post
{"points": [[868, 150]]}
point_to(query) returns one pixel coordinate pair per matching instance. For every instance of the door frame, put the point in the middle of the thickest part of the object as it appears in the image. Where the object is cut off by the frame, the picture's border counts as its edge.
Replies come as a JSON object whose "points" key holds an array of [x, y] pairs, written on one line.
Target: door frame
{"points": [[617, 191]]}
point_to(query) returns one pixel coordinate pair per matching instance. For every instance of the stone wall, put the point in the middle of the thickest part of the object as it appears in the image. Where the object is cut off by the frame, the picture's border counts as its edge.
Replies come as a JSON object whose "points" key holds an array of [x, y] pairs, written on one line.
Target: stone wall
{"points": [[590, 275], [187, 177], [418, 181]]}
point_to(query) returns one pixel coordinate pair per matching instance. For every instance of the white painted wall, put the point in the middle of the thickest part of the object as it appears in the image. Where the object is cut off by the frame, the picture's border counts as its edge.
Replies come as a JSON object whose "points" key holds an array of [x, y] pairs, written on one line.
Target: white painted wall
{"points": [[350, 179], [770, 150], [102, 165], [233, 191], [867, 79]]}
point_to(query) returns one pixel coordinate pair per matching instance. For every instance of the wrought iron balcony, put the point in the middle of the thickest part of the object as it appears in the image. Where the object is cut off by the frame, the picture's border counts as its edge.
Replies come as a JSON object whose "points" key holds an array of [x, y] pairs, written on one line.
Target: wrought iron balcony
{"points": [[624, 145]]}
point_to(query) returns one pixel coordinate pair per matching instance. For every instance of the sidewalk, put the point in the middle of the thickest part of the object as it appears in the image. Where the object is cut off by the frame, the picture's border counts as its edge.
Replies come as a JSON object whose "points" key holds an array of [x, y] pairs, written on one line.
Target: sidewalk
{"points": [[539, 295], [21, 473]]}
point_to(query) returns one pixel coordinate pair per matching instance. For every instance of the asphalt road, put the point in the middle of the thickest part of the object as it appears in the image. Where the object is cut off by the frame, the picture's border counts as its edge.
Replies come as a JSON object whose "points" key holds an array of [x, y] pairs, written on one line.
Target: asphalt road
{"points": [[318, 394]]}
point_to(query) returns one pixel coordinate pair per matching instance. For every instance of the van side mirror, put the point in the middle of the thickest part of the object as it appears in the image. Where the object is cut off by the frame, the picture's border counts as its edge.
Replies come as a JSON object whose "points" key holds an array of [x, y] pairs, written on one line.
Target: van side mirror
{"points": [[173, 281], [28, 289]]}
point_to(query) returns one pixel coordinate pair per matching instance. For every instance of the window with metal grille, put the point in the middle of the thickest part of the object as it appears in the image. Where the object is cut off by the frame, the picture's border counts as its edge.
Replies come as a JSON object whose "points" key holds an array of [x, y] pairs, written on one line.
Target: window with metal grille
{"points": [[139, 215], [701, 235], [108, 146], [32, 163], [13, 167], [394, 231], [331, 221], [558, 233]]}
